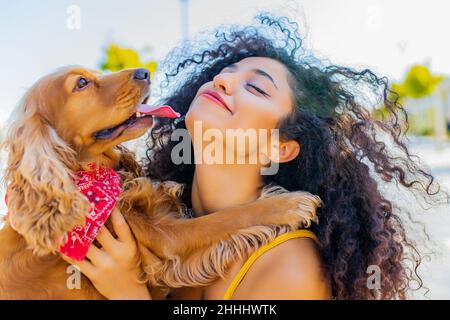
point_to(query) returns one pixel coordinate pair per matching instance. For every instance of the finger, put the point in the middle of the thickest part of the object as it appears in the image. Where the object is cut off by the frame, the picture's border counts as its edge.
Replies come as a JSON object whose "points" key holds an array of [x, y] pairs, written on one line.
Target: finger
{"points": [[106, 239], [121, 227], [96, 255], [84, 266]]}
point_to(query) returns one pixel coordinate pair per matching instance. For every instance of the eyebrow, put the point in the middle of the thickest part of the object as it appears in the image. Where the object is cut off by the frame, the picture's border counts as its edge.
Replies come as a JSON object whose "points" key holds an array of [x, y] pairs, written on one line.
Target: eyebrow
{"points": [[265, 74], [256, 71], [84, 73], [81, 72]]}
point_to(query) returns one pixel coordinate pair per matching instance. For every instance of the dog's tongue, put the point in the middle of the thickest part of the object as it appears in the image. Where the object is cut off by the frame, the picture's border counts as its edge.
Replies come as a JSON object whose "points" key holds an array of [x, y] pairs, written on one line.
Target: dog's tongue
{"points": [[158, 111]]}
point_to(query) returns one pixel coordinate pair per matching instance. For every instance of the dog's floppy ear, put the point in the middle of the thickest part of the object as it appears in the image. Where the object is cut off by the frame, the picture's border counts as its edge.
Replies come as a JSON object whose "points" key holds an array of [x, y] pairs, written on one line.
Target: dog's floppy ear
{"points": [[43, 201]]}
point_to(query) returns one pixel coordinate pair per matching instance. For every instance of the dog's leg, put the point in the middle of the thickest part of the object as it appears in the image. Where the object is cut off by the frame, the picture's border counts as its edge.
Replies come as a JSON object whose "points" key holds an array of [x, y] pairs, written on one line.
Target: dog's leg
{"points": [[294, 209], [177, 237]]}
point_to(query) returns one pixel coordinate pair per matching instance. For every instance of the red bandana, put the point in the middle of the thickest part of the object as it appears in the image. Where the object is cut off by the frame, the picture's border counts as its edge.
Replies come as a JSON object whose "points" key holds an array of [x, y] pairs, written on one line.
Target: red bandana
{"points": [[102, 188]]}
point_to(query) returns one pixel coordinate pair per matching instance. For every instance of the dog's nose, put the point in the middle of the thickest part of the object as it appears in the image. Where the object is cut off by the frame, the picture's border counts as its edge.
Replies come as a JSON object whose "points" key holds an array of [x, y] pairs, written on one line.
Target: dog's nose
{"points": [[142, 74]]}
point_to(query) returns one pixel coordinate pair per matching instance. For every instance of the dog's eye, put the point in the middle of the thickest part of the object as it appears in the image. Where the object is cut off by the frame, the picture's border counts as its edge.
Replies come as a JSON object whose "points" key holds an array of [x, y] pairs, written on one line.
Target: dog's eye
{"points": [[82, 83]]}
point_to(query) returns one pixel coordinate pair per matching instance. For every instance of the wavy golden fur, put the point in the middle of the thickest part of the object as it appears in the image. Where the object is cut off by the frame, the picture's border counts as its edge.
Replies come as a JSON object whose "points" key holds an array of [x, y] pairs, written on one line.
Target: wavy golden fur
{"points": [[38, 174], [53, 133]]}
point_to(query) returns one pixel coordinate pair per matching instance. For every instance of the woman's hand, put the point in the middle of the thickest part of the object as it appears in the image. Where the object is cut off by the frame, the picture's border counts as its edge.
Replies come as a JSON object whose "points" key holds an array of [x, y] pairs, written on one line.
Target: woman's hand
{"points": [[113, 268]]}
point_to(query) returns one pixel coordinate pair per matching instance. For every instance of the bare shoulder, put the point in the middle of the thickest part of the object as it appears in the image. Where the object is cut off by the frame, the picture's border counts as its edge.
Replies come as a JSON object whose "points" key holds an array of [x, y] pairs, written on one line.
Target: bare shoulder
{"points": [[290, 270]]}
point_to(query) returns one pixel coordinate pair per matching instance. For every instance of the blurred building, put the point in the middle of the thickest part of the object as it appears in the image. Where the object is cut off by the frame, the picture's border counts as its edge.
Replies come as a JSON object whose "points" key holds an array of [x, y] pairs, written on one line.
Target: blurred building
{"points": [[445, 96], [2, 133]]}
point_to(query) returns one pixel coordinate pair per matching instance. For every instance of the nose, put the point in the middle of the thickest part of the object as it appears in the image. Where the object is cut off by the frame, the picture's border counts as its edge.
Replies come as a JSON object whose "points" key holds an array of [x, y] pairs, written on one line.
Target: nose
{"points": [[141, 74], [224, 82]]}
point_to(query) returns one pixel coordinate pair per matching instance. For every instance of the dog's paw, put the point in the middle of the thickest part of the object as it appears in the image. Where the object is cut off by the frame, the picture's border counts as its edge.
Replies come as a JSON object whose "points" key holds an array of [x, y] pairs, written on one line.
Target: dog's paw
{"points": [[296, 209]]}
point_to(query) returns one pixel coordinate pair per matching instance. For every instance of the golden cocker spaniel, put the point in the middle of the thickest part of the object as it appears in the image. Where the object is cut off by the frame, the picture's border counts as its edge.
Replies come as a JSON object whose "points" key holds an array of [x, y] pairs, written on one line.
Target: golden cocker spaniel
{"points": [[77, 116]]}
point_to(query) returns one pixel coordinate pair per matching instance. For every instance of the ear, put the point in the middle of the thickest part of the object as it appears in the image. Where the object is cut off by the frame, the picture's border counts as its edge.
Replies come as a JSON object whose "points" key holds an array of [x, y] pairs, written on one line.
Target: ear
{"points": [[285, 151], [43, 200]]}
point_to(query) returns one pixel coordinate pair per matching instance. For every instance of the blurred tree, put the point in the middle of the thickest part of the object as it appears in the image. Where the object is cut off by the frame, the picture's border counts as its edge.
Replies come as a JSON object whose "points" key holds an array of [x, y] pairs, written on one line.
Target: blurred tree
{"points": [[419, 83], [118, 58]]}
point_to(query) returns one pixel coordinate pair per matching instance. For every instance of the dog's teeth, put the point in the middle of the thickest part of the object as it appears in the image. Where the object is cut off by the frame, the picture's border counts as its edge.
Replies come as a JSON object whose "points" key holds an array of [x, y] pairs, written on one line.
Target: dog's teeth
{"points": [[138, 115]]}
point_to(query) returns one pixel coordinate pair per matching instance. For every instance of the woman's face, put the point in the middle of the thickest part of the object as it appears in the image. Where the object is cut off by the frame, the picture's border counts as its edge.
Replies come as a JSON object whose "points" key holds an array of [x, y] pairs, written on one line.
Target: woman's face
{"points": [[255, 91], [252, 94]]}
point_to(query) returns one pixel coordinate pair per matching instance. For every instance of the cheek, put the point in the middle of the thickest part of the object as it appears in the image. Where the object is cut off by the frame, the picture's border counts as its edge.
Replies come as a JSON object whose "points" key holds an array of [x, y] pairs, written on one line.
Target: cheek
{"points": [[257, 114], [84, 112]]}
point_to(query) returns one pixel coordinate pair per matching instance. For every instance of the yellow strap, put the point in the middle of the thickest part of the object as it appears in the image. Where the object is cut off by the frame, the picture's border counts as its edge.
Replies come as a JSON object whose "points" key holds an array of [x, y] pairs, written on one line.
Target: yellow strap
{"points": [[280, 239]]}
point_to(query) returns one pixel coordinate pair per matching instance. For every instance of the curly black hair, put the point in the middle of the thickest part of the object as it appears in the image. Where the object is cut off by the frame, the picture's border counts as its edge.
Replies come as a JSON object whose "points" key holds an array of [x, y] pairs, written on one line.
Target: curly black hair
{"points": [[346, 152]]}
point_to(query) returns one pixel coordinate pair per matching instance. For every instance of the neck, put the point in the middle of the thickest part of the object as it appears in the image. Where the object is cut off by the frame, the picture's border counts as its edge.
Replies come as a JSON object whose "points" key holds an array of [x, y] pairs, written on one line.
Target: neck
{"points": [[107, 159], [216, 187]]}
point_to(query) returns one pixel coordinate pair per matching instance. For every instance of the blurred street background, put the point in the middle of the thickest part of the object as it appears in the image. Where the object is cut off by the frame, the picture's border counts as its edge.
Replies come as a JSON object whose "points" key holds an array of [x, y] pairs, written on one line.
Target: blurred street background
{"points": [[403, 40]]}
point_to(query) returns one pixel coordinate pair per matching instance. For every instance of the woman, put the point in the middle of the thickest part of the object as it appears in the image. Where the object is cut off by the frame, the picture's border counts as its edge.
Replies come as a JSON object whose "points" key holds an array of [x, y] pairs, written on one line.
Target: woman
{"points": [[330, 145]]}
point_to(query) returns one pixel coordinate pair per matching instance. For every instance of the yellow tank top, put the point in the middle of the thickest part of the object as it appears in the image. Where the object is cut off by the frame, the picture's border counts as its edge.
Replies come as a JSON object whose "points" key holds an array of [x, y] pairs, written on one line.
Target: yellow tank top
{"points": [[280, 239]]}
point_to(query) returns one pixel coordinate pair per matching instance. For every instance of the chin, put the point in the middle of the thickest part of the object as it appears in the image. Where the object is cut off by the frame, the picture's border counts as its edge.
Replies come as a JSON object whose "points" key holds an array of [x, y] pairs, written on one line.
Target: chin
{"points": [[210, 119]]}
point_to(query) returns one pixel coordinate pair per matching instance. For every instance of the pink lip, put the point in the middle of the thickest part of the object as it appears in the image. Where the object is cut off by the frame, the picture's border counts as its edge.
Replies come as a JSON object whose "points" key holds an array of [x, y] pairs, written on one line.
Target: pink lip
{"points": [[215, 97]]}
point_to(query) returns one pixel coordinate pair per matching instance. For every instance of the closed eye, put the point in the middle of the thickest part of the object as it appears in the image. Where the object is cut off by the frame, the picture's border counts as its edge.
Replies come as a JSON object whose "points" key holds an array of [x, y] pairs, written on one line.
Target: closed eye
{"points": [[258, 89]]}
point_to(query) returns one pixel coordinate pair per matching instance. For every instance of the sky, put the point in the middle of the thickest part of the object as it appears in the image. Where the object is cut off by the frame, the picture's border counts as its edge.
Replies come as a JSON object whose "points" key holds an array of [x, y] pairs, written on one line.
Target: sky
{"points": [[387, 36]]}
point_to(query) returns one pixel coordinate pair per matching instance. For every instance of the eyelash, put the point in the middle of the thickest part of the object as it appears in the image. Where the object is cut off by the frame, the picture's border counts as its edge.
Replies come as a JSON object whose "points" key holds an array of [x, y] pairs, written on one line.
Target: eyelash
{"points": [[257, 89]]}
